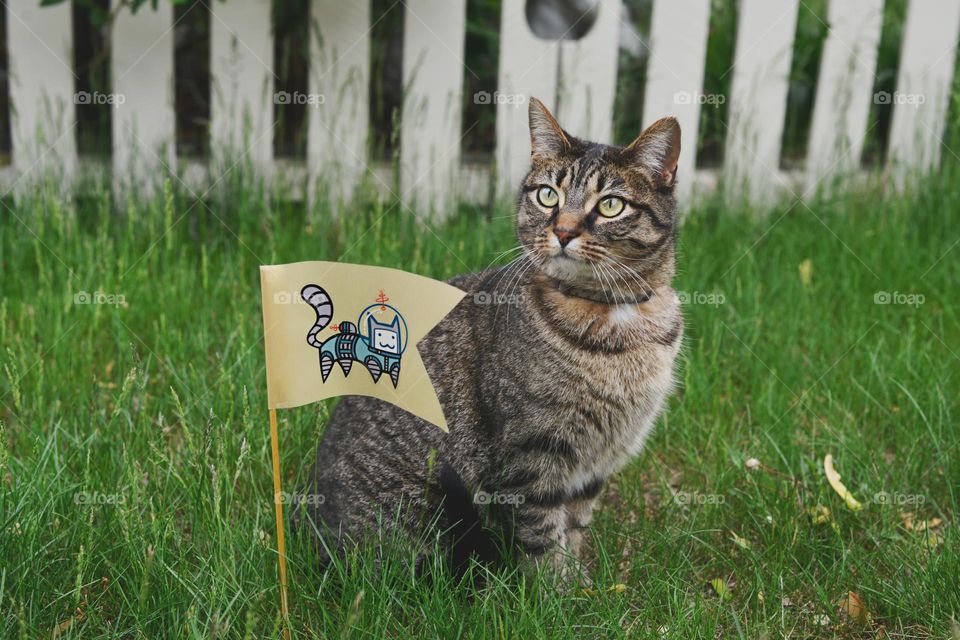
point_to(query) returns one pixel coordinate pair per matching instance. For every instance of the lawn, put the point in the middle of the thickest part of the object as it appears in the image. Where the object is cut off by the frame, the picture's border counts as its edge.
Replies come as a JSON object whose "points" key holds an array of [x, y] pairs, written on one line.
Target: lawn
{"points": [[135, 482]]}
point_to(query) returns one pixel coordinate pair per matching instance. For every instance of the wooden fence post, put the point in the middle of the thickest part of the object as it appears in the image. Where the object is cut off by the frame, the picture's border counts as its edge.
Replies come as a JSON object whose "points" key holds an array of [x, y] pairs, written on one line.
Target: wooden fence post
{"points": [[844, 90], [42, 89], [433, 69], [922, 98], [339, 82], [678, 54], [144, 125], [242, 92], [758, 97]]}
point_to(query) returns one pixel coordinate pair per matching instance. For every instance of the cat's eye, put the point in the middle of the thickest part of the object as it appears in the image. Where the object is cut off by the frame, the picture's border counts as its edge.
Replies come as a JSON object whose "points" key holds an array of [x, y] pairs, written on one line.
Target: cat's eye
{"points": [[547, 197], [610, 207]]}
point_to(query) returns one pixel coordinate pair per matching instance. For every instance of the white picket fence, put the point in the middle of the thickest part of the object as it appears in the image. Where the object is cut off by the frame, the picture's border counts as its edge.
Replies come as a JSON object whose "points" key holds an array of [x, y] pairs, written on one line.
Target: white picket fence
{"points": [[576, 78]]}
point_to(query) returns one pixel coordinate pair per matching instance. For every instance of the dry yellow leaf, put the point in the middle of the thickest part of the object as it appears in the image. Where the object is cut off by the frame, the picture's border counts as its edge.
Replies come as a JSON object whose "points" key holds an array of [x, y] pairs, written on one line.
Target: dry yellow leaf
{"points": [[924, 526], [932, 523], [933, 539], [743, 543], [616, 588], [819, 514], [822, 515], [720, 587], [834, 479], [67, 624], [806, 272], [907, 517], [853, 606]]}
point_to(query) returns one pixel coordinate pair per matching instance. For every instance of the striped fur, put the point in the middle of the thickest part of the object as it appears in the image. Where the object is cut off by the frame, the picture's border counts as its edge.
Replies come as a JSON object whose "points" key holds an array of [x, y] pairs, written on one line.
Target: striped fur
{"points": [[319, 299], [547, 395]]}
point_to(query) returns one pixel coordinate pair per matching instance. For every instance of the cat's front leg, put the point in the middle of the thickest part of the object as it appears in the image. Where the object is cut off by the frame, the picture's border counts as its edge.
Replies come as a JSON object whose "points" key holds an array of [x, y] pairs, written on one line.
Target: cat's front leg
{"points": [[545, 538], [539, 531], [579, 515]]}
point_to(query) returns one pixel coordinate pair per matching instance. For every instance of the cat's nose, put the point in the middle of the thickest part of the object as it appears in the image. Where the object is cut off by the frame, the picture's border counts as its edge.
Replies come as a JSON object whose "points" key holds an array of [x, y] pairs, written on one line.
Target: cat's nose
{"points": [[564, 236]]}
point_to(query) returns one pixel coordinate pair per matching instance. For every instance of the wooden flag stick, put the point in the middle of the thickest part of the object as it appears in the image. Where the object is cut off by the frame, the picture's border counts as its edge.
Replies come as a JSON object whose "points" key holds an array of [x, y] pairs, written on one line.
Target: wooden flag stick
{"points": [[278, 501]]}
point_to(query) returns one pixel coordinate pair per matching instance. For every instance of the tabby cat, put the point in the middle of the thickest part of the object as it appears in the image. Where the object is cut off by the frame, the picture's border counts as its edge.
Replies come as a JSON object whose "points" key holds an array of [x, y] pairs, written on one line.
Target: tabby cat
{"points": [[551, 371]]}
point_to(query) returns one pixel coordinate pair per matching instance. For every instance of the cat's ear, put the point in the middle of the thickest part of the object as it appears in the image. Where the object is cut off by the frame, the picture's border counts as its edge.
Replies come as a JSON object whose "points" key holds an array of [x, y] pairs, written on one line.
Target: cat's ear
{"points": [[547, 138], [658, 149]]}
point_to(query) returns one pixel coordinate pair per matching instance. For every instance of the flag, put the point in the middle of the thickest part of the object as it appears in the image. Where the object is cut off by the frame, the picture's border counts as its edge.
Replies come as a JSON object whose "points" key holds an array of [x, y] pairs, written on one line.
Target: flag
{"points": [[333, 329]]}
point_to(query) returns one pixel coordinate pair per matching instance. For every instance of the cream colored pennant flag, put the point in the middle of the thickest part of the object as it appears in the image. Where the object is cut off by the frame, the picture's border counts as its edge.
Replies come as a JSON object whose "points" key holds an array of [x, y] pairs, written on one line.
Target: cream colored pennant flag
{"points": [[334, 329]]}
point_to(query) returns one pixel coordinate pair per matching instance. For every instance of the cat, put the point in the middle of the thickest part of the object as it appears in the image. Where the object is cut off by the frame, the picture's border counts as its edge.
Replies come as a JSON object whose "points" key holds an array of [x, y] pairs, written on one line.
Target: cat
{"points": [[545, 399], [379, 350]]}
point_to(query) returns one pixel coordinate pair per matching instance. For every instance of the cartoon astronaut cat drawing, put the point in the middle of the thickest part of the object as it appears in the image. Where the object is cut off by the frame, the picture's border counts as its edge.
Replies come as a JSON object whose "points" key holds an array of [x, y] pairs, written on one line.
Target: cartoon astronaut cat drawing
{"points": [[379, 350]]}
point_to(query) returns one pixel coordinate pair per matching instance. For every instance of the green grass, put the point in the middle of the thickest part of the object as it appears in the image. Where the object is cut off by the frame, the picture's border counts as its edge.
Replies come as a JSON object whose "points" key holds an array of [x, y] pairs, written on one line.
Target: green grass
{"points": [[157, 407]]}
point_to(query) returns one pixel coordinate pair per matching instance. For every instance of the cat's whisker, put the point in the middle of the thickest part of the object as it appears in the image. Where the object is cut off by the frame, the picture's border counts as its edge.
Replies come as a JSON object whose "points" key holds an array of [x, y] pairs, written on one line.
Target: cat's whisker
{"points": [[502, 254], [613, 267], [532, 263], [507, 273], [507, 268], [617, 279], [517, 269], [610, 284], [509, 300], [519, 278], [622, 276], [613, 279], [596, 276], [640, 280], [509, 251]]}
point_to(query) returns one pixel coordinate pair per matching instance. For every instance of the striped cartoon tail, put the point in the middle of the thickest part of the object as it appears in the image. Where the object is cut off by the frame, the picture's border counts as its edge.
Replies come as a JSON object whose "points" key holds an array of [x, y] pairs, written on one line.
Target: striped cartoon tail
{"points": [[317, 298]]}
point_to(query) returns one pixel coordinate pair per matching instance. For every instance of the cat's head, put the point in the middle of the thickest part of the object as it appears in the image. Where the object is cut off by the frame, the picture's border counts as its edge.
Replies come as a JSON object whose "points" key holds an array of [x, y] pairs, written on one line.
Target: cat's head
{"points": [[385, 337], [597, 217]]}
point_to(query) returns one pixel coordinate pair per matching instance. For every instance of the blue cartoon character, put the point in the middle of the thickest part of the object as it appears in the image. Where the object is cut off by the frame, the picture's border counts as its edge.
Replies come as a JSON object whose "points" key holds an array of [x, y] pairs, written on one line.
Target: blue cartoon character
{"points": [[379, 350]]}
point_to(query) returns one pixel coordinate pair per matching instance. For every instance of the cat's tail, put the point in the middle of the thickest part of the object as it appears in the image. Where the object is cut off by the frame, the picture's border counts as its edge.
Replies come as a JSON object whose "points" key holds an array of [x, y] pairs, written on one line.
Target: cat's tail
{"points": [[320, 300]]}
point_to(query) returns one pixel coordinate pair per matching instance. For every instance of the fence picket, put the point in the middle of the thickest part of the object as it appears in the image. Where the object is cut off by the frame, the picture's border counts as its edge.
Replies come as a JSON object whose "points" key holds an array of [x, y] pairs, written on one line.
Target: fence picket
{"points": [[678, 54], [43, 115], [241, 73], [926, 70], [528, 68], [339, 83], [433, 69], [587, 81], [577, 79], [844, 89], [758, 99], [144, 125]]}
